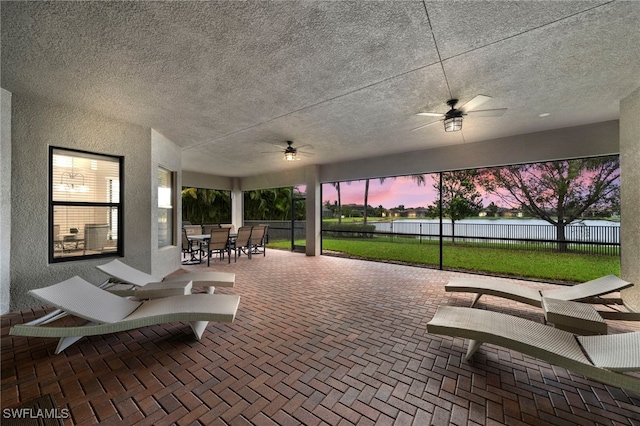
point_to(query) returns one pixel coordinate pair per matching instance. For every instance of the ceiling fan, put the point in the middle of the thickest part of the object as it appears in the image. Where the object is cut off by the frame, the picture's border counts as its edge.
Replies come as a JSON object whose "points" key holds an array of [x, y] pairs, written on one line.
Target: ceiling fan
{"points": [[291, 153], [453, 118]]}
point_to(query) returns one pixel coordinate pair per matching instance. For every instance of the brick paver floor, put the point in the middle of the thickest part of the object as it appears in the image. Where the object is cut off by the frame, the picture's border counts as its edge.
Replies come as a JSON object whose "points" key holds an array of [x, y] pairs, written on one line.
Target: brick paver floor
{"points": [[317, 340]]}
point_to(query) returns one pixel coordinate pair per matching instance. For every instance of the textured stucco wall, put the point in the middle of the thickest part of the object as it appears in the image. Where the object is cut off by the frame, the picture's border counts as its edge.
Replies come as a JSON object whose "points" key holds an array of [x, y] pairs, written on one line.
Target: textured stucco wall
{"points": [[630, 195], [166, 154], [571, 142], [5, 200], [201, 180], [36, 124]]}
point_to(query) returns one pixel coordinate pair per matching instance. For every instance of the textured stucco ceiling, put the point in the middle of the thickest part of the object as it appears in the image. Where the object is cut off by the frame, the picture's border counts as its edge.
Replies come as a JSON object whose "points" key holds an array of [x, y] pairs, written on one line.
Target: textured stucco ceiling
{"points": [[227, 80]]}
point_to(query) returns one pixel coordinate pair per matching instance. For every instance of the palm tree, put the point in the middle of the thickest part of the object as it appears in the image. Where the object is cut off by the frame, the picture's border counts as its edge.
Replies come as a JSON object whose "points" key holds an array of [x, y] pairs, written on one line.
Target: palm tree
{"points": [[336, 185], [418, 179], [366, 198], [201, 205]]}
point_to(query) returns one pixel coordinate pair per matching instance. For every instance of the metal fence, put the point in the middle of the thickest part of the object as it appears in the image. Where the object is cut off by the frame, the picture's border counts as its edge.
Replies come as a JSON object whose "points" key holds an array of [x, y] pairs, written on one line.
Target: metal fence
{"points": [[579, 237], [280, 230], [599, 240]]}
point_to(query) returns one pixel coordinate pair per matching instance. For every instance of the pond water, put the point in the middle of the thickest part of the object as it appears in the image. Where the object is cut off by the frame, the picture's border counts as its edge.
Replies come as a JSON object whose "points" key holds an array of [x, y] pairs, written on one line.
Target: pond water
{"points": [[603, 231]]}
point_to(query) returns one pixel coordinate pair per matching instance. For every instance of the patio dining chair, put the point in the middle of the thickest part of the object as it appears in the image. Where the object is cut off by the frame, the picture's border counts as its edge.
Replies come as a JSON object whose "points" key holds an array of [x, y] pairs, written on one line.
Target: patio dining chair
{"points": [[218, 244], [258, 238], [232, 229], [242, 243], [187, 247], [206, 229]]}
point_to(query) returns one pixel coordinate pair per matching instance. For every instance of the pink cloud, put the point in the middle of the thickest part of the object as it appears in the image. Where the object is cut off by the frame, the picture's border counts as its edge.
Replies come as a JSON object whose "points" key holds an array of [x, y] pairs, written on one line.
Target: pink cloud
{"points": [[391, 193]]}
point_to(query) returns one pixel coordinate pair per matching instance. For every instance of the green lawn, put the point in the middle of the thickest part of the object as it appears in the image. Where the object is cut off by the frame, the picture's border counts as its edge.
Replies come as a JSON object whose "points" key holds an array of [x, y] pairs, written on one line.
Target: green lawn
{"points": [[552, 266]]}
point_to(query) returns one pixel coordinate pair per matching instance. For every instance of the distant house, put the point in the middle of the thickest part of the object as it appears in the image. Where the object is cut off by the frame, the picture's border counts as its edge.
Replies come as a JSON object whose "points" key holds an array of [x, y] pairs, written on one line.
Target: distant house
{"points": [[416, 212], [511, 213]]}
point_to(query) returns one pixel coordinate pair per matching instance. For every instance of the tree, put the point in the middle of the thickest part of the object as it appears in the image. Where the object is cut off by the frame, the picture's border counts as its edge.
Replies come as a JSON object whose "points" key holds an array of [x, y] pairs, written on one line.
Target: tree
{"points": [[272, 204], [336, 185], [558, 192], [460, 198], [200, 205], [418, 179], [366, 198], [493, 209]]}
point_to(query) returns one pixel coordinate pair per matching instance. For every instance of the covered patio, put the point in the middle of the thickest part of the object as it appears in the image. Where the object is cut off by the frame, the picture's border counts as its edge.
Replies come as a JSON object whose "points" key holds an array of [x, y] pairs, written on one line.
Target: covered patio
{"points": [[317, 340], [209, 93]]}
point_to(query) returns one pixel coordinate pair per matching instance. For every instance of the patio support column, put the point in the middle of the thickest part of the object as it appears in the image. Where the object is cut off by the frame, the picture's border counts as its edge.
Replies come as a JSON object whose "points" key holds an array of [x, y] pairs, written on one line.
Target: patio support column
{"points": [[237, 204], [5, 201], [630, 196], [314, 209]]}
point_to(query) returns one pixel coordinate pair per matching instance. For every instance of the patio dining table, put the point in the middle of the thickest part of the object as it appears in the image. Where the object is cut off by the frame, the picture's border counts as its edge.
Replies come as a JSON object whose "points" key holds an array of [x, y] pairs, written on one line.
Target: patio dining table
{"points": [[203, 238], [196, 260]]}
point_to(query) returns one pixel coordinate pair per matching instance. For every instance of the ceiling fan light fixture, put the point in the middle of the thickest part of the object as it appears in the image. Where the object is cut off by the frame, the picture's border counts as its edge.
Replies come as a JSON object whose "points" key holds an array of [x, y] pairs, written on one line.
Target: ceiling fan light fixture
{"points": [[289, 155], [453, 124]]}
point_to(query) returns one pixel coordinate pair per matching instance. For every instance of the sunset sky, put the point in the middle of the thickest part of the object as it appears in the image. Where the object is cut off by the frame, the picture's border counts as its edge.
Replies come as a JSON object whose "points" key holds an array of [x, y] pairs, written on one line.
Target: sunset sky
{"points": [[392, 193]]}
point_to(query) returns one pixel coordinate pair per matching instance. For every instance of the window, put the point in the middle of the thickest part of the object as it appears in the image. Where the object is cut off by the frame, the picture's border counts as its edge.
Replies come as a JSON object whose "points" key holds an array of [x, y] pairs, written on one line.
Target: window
{"points": [[166, 199], [85, 213]]}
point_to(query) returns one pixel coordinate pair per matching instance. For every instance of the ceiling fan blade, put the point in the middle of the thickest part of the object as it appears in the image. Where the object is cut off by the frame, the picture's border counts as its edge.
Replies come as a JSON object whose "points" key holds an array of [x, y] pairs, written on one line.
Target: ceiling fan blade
{"points": [[431, 114], [425, 125], [474, 103], [304, 146], [488, 112]]}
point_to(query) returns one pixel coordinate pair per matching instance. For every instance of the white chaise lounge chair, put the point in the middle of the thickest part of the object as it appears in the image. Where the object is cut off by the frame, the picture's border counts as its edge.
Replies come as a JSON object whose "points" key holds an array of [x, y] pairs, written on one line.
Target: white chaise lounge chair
{"points": [[603, 358], [577, 293], [108, 313], [129, 275]]}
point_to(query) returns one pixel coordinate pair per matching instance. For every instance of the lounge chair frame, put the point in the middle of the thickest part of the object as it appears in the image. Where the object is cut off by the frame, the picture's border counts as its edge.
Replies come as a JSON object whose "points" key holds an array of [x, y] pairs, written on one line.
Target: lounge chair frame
{"points": [[121, 273], [603, 358], [107, 313], [587, 292]]}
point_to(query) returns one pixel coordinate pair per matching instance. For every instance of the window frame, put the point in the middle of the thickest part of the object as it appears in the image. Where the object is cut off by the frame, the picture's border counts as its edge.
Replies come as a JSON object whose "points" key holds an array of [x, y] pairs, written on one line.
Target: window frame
{"points": [[53, 204], [171, 210]]}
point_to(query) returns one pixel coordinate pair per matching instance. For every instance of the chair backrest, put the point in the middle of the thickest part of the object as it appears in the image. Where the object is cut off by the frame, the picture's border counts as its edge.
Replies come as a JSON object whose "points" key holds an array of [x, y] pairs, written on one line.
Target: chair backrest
{"points": [[185, 240], [206, 229], [228, 225], [95, 236], [126, 273], [193, 229], [81, 298], [244, 234], [257, 234], [219, 238]]}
